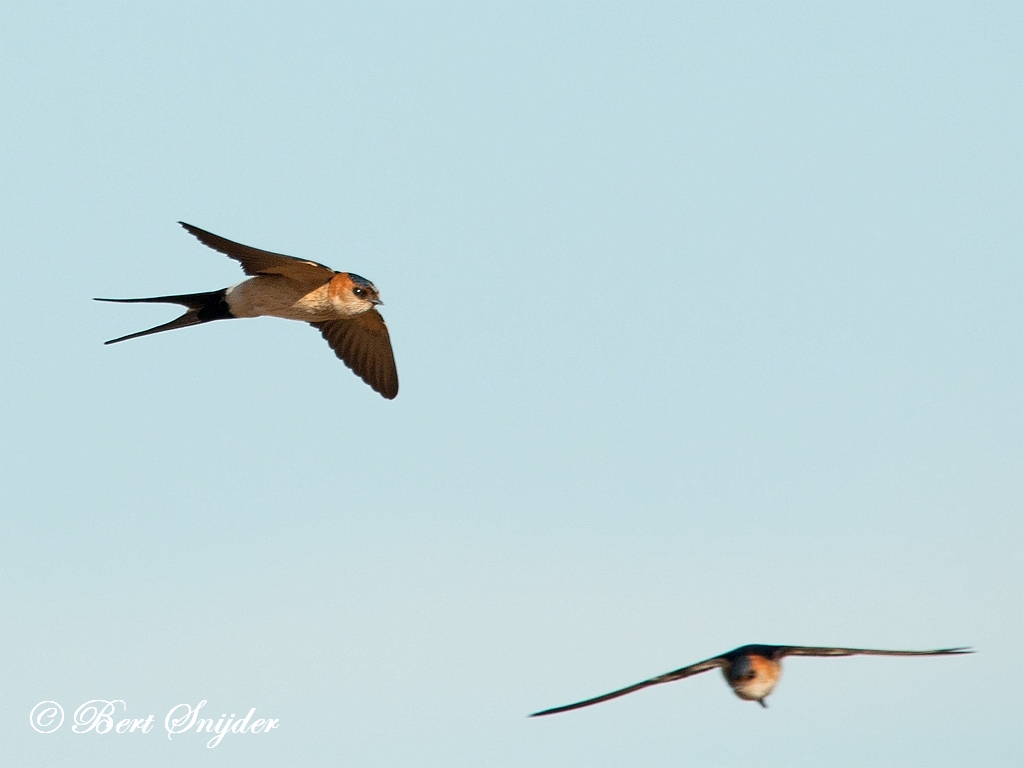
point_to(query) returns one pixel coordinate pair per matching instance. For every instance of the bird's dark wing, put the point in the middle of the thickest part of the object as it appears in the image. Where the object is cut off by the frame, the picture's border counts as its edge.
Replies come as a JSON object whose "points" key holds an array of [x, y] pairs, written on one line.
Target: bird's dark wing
{"points": [[800, 650], [257, 262], [363, 344], [668, 677]]}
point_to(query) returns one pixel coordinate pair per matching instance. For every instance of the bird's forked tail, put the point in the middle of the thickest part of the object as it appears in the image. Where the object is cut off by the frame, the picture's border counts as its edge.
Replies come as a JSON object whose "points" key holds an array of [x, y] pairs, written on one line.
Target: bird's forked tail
{"points": [[202, 308]]}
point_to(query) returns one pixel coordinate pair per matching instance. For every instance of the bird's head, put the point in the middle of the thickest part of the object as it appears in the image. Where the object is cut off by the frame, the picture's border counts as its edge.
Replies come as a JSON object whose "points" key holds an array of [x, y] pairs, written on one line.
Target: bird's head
{"points": [[352, 295], [752, 677]]}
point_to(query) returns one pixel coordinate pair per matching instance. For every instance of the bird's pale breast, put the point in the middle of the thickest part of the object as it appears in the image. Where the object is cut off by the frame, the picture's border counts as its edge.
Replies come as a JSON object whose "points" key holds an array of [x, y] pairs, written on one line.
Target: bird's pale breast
{"points": [[268, 295]]}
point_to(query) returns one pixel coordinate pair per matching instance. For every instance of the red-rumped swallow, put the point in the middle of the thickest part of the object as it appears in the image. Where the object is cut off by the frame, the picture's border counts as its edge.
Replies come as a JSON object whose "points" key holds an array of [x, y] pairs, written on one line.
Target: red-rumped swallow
{"points": [[341, 305], [751, 671]]}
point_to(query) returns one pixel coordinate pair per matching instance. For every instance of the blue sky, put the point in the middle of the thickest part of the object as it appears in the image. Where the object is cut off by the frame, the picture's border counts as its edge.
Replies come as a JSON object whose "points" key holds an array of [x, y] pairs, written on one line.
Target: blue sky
{"points": [[708, 323]]}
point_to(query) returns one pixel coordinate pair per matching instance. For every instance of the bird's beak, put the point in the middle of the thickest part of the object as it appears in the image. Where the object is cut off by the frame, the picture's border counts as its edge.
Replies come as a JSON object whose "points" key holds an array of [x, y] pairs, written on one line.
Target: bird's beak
{"points": [[376, 302]]}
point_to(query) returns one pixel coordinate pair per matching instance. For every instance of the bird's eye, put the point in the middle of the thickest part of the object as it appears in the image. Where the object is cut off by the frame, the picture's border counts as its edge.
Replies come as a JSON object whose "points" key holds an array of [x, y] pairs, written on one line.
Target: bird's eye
{"points": [[359, 292]]}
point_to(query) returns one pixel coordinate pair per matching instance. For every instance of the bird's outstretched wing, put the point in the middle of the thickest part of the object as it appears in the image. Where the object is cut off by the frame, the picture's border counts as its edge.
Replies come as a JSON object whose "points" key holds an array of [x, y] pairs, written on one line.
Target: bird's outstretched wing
{"points": [[800, 650], [257, 262], [668, 677], [363, 344]]}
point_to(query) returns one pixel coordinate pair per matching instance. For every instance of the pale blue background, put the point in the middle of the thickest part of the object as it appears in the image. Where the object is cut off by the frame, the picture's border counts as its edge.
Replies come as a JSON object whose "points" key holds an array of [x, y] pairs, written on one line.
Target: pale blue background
{"points": [[708, 320]]}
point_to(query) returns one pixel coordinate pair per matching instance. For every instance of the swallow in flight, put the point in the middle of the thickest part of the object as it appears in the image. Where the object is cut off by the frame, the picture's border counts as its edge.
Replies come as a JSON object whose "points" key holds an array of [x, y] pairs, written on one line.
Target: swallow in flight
{"points": [[751, 671], [341, 305]]}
